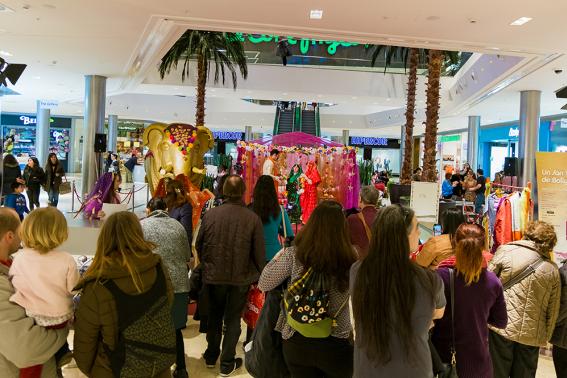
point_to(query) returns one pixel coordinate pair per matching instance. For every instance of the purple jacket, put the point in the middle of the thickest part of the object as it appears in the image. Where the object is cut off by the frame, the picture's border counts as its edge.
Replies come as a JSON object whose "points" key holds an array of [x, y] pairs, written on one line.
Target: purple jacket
{"points": [[476, 306]]}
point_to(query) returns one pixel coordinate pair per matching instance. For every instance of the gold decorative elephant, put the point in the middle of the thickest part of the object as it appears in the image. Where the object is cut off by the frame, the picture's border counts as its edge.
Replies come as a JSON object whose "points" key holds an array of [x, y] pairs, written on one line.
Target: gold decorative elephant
{"points": [[176, 149]]}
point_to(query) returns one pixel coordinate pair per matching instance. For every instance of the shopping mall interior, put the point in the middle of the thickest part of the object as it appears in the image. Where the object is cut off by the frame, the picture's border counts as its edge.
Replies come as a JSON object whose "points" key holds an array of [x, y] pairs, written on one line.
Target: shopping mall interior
{"points": [[81, 79]]}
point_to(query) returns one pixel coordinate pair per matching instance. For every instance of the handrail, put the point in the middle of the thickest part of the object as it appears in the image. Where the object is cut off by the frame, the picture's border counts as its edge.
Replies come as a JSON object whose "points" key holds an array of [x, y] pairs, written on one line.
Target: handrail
{"points": [[317, 123], [277, 120]]}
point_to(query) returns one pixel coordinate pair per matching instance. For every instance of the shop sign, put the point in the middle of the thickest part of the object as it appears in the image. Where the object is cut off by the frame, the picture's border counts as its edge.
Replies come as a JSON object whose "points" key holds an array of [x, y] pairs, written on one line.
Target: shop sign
{"points": [[450, 138], [563, 123], [27, 120], [304, 43], [372, 142], [514, 132], [228, 135]]}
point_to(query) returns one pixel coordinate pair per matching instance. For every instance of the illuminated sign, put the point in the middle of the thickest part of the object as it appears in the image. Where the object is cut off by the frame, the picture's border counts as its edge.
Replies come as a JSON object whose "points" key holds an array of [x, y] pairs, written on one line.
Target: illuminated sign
{"points": [[368, 141], [304, 43], [228, 135], [514, 133], [32, 120]]}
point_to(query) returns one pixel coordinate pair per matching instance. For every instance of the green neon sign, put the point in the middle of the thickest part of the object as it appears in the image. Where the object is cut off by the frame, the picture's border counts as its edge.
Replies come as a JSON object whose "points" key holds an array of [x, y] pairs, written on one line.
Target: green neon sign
{"points": [[304, 43]]}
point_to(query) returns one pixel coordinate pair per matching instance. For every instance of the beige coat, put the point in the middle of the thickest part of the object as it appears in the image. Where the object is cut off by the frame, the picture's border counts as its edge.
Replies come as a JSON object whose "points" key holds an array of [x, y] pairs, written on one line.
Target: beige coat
{"points": [[434, 251], [22, 343], [533, 303]]}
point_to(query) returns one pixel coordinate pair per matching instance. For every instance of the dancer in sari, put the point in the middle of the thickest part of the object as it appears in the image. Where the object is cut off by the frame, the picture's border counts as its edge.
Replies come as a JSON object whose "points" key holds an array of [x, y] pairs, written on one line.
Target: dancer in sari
{"points": [[308, 199], [104, 191], [294, 190]]}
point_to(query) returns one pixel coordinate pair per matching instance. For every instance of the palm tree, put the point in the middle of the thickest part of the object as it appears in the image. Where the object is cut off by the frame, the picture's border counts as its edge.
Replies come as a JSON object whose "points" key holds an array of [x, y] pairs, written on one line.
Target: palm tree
{"points": [[436, 61], [412, 56], [224, 50]]}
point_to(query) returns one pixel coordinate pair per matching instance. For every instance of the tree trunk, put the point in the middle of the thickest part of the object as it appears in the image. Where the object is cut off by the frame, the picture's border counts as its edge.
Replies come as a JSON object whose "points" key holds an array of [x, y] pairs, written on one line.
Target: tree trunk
{"points": [[405, 177], [201, 86], [432, 115]]}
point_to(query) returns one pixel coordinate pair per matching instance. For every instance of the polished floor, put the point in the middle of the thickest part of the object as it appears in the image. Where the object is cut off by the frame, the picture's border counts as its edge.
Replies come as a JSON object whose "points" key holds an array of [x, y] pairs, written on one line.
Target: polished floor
{"points": [[195, 345]]}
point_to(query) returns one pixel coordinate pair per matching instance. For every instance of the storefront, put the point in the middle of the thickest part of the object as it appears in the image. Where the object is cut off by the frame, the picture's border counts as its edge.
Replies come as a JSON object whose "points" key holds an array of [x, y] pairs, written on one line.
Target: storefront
{"points": [[130, 137], [225, 144], [18, 135], [452, 151], [384, 152]]}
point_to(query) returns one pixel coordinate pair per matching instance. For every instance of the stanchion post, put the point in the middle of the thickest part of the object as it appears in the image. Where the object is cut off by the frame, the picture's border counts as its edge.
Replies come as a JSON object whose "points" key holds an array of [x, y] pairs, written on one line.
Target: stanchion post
{"points": [[133, 197], [73, 191]]}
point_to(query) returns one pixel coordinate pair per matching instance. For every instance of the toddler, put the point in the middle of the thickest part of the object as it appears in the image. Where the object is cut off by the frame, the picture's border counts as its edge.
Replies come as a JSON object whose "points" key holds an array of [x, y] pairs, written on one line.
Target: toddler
{"points": [[16, 200], [44, 277]]}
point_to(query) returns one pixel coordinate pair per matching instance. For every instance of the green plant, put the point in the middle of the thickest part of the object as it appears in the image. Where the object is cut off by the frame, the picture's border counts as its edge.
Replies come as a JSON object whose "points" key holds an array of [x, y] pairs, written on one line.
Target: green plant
{"points": [[223, 50], [365, 171], [207, 183]]}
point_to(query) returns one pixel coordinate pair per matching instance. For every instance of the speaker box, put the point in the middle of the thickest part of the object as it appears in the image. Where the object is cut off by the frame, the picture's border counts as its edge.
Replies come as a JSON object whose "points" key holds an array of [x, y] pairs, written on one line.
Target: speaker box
{"points": [[511, 166], [221, 148], [367, 153], [100, 143]]}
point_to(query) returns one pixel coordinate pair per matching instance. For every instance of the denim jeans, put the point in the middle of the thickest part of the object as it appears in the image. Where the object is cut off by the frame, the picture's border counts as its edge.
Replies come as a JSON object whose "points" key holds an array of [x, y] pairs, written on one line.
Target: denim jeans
{"points": [[53, 197], [479, 201]]}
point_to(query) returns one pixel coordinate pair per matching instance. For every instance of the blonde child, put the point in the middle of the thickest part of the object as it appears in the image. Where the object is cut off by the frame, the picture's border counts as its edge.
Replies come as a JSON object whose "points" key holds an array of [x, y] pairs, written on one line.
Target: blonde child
{"points": [[44, 277]]}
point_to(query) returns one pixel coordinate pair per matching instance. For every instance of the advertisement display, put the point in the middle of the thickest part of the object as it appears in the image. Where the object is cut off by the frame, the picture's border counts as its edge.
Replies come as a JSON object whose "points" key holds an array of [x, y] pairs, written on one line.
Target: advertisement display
{"points": [[552, 193]]}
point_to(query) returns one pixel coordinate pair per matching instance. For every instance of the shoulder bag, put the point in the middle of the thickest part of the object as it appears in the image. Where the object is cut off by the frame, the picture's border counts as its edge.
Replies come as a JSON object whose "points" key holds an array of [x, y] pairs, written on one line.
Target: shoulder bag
{"points": [[366, 228]]}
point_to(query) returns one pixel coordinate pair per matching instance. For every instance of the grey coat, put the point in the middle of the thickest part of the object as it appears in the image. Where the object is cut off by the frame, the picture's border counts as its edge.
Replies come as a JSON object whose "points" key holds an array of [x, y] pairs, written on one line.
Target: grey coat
{"points": [[172, 245], [559, 337]]}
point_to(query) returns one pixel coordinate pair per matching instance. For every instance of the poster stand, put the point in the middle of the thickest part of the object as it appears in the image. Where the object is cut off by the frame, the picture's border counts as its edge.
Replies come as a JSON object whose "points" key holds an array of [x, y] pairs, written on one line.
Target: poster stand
{"points": [[424, 201]]}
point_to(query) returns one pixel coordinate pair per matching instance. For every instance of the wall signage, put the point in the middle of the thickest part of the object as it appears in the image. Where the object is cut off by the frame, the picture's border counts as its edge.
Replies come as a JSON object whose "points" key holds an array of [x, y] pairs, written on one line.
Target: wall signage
{"points": [[226, 136], [30, 120], [514, 132], [304, 43], [48, 104], [374, 142]]}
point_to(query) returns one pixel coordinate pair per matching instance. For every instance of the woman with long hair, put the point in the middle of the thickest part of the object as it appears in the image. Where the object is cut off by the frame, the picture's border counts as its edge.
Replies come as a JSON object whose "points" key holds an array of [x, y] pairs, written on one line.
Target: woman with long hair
{"points": [[54, 174], [469, 183], [293, 188], [11, 173], [33, 175], [179, 206], [125, 288], [479, 301], [394, 301], [439, 248], [274, 217], [323, 245]]}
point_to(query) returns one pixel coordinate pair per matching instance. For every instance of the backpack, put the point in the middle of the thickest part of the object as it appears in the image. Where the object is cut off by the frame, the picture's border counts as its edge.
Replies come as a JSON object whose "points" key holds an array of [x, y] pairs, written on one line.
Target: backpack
{"points": [[306, 303], [145, 346]]}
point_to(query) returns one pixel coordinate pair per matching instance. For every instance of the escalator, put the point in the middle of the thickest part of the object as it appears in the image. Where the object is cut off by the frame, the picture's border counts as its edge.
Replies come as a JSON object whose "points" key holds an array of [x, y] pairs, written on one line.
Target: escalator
{"points": [[293, 118]]}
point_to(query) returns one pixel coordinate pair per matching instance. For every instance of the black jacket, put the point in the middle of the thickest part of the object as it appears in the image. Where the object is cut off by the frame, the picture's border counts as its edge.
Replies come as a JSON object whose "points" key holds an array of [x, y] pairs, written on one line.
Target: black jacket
{"points": [[559, 337], [57, 179], [231, 246], [34, 177], [10, 174]]}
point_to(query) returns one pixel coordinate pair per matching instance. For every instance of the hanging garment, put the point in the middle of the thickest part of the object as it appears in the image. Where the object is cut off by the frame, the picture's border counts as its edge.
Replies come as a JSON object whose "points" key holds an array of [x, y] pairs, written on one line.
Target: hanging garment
{"points": [[503, 224]]}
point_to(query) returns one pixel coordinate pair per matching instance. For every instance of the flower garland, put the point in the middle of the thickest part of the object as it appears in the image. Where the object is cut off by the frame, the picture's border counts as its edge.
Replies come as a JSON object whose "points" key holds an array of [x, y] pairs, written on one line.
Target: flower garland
{"points": [[305, 150], [182, 138]]}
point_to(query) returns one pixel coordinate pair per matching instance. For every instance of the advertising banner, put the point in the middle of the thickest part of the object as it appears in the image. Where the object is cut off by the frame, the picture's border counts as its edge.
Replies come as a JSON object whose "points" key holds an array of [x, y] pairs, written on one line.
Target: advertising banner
{"points": [[552, 193]]}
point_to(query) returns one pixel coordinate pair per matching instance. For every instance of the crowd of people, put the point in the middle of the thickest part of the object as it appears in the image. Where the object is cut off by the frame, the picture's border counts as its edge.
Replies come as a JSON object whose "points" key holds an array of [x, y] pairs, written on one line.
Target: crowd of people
{"points": [[357, 296], [33, 178]]}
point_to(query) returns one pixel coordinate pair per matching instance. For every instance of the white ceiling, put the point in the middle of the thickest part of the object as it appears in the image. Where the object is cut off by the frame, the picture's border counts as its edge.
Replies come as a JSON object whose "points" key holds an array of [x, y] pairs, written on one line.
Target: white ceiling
{"points": [[63, 40]]}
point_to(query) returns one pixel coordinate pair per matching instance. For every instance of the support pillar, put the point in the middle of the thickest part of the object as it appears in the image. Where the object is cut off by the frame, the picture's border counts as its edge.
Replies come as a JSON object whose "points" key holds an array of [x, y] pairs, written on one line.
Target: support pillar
{"points": [[112, 136], [247, 133], [42, 134], [345, 137], [95, 100], [402, 147], [529, 139], [473, 137]]}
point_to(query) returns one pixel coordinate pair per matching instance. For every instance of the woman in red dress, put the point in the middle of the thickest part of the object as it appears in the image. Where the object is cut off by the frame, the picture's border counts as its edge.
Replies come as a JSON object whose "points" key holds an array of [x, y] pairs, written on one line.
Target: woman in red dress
{"points": [[308, 199]]}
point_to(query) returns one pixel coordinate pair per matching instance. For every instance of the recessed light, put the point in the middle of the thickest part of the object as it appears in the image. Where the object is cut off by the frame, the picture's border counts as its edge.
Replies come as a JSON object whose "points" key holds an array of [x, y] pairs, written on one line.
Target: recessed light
{"points": [[316, 14], [354, 97], [284, 94], [388, 99], [521, 21], [5, 53], [37, 77]]}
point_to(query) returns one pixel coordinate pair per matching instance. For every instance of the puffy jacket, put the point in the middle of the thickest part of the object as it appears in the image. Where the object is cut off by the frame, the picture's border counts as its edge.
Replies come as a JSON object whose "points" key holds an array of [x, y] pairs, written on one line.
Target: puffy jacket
{"points": [[33, 176], [10, 174], [23, 343], [231, 246], [533, 303], [560, 334], [96, 319], [57, 180]]}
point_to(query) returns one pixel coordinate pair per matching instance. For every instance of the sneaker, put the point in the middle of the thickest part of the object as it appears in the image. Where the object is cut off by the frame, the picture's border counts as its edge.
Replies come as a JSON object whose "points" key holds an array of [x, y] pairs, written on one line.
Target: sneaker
{"points": [[237, 365], [209, 364]]}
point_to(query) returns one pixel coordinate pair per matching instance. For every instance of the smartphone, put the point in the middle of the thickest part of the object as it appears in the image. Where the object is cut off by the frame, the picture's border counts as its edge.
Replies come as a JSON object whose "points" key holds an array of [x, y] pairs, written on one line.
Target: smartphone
{"points": [[437, 230]]}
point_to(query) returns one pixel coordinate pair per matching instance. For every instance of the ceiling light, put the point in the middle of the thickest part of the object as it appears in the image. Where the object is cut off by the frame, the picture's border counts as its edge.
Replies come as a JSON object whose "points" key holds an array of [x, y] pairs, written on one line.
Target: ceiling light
{"points": [[37, 77], [520, 21], [5, 53], [354, 97], [316, 14]]}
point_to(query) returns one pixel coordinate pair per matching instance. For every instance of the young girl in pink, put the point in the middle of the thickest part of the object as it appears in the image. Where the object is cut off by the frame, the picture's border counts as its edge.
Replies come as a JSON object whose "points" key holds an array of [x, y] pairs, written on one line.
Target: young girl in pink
{"points": [[44, 277]]}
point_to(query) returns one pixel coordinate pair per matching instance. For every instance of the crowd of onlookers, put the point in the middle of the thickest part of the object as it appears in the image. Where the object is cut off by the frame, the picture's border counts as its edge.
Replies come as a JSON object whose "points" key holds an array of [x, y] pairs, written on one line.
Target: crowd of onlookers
{"points": [[355, 296]]}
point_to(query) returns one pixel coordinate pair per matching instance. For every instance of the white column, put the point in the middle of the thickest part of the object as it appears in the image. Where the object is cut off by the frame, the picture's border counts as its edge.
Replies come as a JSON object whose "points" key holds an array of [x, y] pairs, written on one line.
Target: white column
{"points": [[42, 134], [473, 135], [345, 137], [112, 136], [247, 133], [529, 135], [95, 99]]}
